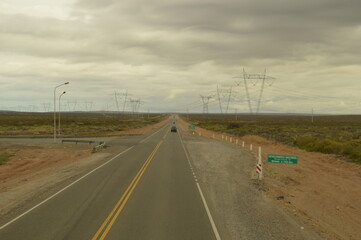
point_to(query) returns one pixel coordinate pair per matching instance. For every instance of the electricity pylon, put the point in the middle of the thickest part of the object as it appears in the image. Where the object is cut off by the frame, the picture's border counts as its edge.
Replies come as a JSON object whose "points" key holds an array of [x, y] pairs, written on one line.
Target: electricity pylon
{"points": [[125, 99], [88, 106], [125, 95], [116, 100], [257, 77], [222, 93], [134, 103], [205, 101], [71, 105], [46, 106]]}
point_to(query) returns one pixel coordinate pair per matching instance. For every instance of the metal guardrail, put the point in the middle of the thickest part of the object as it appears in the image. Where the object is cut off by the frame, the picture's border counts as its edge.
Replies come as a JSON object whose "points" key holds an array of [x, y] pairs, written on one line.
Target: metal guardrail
{"points": [[96, 148], [78, 141]]}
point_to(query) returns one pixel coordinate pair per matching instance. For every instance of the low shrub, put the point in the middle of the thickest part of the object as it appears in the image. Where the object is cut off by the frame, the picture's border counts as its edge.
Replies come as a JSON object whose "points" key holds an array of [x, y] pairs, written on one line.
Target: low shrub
{"points": [[4, 157]]}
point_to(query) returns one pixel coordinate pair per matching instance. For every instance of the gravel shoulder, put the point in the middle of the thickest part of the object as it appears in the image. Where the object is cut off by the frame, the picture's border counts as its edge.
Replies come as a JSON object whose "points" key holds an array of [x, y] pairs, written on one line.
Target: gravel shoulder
{"points": [[321, 193], [241, 208]]}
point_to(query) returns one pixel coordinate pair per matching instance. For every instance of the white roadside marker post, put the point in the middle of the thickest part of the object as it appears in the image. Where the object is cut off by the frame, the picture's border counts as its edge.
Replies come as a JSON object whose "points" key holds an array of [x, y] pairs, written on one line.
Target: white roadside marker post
{"points": [[237, 141], [250, 147], [230, 139], [226, 138], [222, 137], [243, 144], [259, 167]]}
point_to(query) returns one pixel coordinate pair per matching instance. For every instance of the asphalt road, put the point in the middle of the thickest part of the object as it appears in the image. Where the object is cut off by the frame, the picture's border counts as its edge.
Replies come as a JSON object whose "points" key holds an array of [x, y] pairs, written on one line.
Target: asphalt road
{"points": [[147, 191]]}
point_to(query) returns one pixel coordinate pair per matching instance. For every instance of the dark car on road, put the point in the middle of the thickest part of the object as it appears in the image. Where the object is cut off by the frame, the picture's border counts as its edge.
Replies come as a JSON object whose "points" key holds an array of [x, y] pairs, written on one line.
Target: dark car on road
{"points": [[173, 129]]}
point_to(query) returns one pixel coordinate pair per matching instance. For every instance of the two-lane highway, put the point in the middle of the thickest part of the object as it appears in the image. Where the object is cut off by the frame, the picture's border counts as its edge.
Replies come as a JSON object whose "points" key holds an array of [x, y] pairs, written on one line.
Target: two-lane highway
{"points": [[147, 191]]}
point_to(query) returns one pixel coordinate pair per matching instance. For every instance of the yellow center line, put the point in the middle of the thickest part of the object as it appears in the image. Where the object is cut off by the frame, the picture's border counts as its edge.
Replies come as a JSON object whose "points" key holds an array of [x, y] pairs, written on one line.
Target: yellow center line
{"points": [[113, 215], [165, 135]]}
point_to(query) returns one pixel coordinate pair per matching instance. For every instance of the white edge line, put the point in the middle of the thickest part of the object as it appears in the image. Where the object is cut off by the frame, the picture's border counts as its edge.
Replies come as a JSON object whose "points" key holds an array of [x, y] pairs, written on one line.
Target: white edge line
{"points": [[214, 227], [145, 139], [60, 191], [209, 213]]}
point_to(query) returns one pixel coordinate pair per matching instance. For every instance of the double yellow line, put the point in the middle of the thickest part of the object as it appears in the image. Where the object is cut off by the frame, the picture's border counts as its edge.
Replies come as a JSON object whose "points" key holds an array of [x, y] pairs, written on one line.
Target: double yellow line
{"points": [[113, 215]]}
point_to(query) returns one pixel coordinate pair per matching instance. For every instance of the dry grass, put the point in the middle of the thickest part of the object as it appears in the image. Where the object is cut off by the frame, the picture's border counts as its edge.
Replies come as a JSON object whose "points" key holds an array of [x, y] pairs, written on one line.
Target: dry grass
{"points": [[75, 124], [327, 134]]}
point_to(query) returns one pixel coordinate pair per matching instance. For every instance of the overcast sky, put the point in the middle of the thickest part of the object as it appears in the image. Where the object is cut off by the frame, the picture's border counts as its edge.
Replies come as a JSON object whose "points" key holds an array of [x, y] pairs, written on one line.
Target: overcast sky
{"points": [[168, 53]]}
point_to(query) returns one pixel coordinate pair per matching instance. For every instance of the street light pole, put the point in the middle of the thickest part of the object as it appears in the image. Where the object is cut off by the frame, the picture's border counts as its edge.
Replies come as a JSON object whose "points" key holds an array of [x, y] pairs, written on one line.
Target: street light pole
{"points": [[59, 113], [55, 108]]}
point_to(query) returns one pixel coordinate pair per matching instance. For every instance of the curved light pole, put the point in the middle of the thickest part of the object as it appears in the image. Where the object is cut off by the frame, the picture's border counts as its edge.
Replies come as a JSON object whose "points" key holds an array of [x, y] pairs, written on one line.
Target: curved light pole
{"points": [[55, 108], [59, 113]]}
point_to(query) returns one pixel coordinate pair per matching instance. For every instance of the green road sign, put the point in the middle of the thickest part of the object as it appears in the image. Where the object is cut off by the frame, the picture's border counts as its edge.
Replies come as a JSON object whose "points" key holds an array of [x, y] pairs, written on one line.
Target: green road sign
{"points": [[286, 159], [191, 127]]}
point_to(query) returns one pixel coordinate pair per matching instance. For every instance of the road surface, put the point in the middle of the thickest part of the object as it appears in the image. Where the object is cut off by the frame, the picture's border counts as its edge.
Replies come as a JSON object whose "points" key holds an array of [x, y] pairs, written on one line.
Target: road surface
{"points": [[147, 191]]}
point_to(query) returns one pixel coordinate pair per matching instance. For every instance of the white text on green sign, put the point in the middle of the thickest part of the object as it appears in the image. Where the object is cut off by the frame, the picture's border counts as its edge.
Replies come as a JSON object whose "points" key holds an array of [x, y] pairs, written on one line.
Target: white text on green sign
{"points": [[285, 159]]}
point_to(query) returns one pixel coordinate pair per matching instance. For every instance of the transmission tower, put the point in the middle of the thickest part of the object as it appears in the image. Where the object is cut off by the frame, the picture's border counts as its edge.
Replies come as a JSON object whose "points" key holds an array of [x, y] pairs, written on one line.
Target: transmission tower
{"points": [[205, 101], [221, 94], [71, 105], [88, 106], [46, 106], [255, 78], [116, 100], [134, 103], [125, 99]]}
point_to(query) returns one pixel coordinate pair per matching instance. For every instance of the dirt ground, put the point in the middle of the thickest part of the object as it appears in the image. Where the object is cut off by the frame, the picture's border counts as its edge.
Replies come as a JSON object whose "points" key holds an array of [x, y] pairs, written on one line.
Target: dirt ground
{"points": [[321, 189], [38, 165]]}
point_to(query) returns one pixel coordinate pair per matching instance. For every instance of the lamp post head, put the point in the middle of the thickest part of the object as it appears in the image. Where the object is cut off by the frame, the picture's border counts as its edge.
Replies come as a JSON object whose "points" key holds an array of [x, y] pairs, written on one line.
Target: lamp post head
{"points": [[64, 92], [66, 83]]}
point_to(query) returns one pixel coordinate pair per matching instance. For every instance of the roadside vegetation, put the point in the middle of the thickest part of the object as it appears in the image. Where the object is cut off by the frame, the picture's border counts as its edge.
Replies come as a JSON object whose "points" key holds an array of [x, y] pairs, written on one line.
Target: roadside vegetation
{"points": [[4, 157], [339, 135], [74, 124]]}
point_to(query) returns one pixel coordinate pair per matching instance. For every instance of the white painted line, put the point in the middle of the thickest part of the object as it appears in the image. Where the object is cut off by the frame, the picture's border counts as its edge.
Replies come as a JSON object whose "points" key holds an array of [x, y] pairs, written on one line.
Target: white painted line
{"points": [[208, 213], [145, 139], [214, 227], [62, 190]]}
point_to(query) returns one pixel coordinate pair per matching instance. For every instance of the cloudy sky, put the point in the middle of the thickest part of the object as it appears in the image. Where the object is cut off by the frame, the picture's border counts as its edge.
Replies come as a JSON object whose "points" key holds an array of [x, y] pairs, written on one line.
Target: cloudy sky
{"points": [[167, 53]]}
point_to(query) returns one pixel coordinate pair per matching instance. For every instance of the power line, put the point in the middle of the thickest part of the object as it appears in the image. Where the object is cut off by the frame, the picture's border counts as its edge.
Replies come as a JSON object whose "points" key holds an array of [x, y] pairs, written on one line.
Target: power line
{"points": [[205, 101], [254, 79]]}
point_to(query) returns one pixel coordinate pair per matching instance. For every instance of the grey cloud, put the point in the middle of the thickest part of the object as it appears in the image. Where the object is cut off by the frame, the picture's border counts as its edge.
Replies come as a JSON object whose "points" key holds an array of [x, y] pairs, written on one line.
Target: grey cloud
{"points": [[228, 32], [185, 44]]}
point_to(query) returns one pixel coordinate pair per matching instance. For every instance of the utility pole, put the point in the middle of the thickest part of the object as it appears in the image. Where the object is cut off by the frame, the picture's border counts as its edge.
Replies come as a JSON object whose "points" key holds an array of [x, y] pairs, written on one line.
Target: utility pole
{"points": [[312, 116]]}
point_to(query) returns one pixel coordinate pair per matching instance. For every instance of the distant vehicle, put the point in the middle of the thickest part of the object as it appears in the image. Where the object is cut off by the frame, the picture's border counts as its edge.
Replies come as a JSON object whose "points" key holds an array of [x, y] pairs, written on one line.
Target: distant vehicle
{"points": [[173, 129]]}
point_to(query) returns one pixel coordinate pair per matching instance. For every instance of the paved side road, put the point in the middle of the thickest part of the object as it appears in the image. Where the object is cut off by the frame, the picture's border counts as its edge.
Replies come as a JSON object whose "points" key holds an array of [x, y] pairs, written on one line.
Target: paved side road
{"points": [[240, 209]]}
